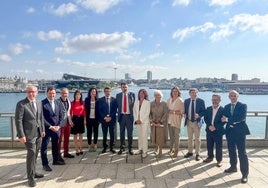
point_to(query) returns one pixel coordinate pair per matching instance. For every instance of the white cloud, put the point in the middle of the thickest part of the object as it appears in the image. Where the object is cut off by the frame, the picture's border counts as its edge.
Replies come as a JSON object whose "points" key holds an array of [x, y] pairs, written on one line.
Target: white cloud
{"points": [[237, 24], [114, 42], [53, 34], [5, 58], [30, 10], [221, 2], [181, 34], [180, 2], [17, 48], [65, 9], [97, 5]]}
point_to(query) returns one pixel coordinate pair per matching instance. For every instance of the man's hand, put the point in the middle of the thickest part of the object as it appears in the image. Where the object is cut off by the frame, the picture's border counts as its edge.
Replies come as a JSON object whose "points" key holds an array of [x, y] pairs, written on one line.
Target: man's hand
{"points": [[23, 139]]}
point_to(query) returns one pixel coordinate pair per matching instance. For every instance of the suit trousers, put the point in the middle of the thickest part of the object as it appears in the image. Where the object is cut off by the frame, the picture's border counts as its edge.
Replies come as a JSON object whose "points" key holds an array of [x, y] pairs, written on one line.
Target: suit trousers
{"points": [[92, 127], [214, 139], [142, 130], [33, 146], [65, 136], [193, 130], [105, 127], [238, 141], [174, 134], [54, 142], [126, 123]]}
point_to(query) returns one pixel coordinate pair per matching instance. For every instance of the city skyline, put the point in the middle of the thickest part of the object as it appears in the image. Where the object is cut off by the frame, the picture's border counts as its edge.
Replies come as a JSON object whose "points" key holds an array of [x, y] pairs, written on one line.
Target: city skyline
{"points": [[110, 38]]}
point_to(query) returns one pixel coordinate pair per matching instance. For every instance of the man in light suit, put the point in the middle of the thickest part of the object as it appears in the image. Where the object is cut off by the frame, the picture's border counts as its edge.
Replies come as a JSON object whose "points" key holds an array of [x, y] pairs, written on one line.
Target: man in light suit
{"points": [[107, 108], [125, 102], [52, 118], [30, 128], [194, 112], [65, 124], [236, 130], [214, 129]]}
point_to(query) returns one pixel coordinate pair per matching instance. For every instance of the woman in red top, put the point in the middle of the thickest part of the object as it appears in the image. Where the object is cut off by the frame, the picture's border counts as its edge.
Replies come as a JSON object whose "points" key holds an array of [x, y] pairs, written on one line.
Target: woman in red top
{"points": [[78, 117]]}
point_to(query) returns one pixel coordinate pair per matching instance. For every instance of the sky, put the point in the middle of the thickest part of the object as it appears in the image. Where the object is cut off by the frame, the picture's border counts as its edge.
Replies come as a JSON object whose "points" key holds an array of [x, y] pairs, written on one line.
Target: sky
{"points": [[108, 38]]}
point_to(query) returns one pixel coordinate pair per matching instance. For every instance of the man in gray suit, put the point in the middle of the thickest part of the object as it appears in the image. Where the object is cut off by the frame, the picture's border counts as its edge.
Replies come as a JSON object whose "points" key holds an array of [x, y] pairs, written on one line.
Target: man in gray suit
{"points": [[30, 128], [125, 102]]}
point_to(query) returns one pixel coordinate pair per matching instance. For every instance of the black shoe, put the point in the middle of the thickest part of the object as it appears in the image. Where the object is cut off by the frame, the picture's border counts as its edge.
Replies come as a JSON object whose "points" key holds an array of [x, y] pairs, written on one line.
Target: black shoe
{"points": [[37, 175], [47, 168], [77, 154], [120, 152], [68, 155], [81, 152], [104, 150], [58, 163], [31, 182], [112, 151], [130, 152], [197, 157], [61, 159], [244, 179], [230, 170], [188, 155]]}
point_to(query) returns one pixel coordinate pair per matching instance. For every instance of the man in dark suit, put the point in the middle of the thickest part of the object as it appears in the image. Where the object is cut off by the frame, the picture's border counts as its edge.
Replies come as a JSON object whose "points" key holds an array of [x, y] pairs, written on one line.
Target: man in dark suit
{"points": [[194, 112], [214, 129], [30, 128], [236, 130], [107, 116], [125, 102], [52, 118]]}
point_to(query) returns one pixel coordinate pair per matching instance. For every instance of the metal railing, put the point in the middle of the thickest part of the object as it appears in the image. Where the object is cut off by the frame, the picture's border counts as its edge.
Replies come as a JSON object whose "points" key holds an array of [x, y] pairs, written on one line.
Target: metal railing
{"points": [[12, 137]]}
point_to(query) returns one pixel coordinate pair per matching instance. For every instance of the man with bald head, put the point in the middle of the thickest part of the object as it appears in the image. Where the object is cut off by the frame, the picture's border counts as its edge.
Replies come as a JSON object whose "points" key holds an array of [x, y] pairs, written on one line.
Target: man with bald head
{"points": [[30, 128]]}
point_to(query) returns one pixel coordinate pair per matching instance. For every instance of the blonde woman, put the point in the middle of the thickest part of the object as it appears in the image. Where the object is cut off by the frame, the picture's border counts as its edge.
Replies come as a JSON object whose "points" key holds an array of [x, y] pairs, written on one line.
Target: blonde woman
{"points": [[176, 110]]}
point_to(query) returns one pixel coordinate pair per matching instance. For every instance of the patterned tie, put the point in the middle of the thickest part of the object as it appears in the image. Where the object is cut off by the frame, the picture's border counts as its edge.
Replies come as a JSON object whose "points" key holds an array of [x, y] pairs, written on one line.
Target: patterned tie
{"points": [[125, 103], [33, 105], [192, 111], [232, 108]]}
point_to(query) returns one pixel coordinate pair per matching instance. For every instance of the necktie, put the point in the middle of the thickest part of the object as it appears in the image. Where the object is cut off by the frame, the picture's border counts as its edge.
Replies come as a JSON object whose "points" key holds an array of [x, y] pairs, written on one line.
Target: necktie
{"points": [[232, 108], [108, 103], [125, 103], [52, 105], [192, 111], [33, 105]]}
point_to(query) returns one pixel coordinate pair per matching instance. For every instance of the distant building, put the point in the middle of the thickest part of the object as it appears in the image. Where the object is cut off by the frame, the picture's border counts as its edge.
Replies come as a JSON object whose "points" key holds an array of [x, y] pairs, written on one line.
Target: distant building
{"points": [[127, 76], [234, 77], [149, 76]]}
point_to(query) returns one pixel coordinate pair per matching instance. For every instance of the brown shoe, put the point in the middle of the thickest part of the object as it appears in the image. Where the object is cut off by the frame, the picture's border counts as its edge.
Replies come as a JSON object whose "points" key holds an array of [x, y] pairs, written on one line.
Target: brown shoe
{"points": [[175, 154], [219, 164], [207, 160]]}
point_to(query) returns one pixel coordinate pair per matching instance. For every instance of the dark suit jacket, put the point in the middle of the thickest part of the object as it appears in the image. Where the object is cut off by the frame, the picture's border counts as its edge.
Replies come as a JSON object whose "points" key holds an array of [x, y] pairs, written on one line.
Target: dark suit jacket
{"points": [[51, 118], [103, 109], [26, 122], [200, 109], [131, 100], [87, 108], [218, 124], [237, 120]]}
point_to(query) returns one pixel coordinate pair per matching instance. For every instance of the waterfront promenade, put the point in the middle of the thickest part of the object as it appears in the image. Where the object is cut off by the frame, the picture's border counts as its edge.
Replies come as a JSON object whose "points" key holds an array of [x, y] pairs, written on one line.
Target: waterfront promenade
{"points": [[112, 170]]}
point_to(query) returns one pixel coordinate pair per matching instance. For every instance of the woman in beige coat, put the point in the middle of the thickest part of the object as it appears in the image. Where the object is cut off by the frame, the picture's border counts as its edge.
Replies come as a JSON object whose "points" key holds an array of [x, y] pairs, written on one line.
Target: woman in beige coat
{"points": [[176, 110], [158, 118]]}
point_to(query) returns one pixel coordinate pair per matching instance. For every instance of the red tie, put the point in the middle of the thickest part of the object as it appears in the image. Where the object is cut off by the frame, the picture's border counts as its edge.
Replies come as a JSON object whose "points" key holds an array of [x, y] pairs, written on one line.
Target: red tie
{"points": [[125, 103]]}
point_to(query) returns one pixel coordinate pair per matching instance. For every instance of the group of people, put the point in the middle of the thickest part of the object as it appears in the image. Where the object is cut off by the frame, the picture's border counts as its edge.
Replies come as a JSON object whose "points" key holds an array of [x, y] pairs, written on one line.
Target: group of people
{"points": [[38, 122]]}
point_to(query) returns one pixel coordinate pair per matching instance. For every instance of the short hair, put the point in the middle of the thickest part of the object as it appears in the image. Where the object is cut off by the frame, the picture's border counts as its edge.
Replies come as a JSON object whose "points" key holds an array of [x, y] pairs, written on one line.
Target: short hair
{"points": [[193, 89], [123, 83], [106, 88], [50, 88], [158, 92], [217, 95], [235, 92], [177, 88]]}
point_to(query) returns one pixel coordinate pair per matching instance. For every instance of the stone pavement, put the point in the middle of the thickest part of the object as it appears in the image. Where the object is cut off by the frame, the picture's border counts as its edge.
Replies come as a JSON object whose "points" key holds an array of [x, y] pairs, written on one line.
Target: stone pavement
{"points": [[111, 170]]}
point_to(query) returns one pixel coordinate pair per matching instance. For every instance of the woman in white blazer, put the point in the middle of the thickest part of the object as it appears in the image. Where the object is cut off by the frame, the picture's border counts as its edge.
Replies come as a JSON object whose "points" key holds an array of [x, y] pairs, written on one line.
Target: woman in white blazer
{"points": [[141, 113]]}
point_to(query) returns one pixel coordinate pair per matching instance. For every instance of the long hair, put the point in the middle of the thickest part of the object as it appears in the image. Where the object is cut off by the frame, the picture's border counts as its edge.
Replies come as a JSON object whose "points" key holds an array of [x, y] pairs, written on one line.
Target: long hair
{"points": [[175, 88], [81, 98], [89, 91], [145, 94]]}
